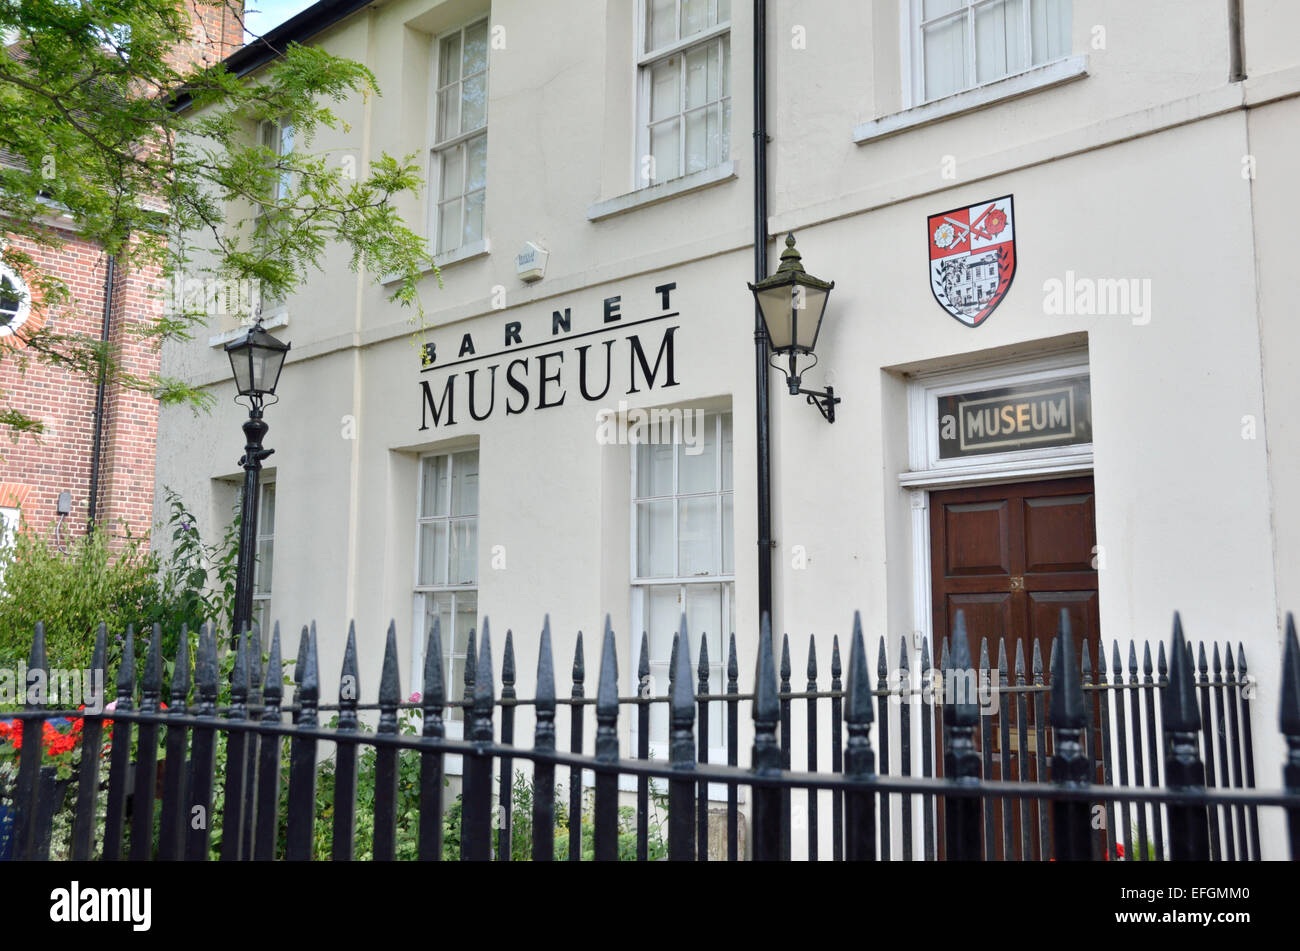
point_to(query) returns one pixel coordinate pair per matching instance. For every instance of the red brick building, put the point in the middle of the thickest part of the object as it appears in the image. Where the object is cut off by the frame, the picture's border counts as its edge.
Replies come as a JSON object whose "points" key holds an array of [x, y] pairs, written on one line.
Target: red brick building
{"points": [[98, 442]]}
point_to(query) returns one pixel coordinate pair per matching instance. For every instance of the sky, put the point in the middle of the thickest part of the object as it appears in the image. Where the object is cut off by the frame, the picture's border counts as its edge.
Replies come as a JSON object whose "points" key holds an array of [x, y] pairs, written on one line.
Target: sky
{"points": [[262, 16]]}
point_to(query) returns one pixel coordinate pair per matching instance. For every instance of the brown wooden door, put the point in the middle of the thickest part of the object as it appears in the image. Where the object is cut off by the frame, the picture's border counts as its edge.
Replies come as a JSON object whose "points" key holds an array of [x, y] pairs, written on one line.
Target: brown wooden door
{"points": [[1010, 557]]}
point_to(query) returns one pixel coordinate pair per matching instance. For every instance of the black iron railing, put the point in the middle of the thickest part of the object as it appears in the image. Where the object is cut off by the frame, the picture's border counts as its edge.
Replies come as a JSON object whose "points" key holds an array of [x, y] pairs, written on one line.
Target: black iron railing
{"points": [[1069, 766]]}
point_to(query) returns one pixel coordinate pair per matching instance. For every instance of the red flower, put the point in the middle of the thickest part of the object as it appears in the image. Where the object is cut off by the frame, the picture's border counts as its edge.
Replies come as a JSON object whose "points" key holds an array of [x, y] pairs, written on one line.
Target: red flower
{"points": [[995, 221]]}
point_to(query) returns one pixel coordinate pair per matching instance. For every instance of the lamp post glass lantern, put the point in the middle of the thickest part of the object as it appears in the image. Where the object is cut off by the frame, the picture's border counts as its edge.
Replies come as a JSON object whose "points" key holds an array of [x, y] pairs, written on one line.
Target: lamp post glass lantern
{"points": [[256, 360], [793, 303]]}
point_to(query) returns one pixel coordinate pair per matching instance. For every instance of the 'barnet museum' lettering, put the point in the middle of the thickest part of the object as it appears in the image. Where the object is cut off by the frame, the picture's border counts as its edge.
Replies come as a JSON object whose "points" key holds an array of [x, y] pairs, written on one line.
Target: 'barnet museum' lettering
{"points": [[482, 384]]}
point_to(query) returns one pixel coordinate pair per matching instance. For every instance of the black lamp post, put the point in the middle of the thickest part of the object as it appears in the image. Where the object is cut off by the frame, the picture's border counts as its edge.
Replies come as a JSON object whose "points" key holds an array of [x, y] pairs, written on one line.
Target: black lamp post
{"points": [[792, 303], [256, 359]]}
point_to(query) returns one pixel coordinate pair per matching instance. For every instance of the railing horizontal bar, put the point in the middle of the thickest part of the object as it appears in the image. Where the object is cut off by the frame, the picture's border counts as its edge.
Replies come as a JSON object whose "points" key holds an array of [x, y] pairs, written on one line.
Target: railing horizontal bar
{"points": [[740, 776], [895, 695]]}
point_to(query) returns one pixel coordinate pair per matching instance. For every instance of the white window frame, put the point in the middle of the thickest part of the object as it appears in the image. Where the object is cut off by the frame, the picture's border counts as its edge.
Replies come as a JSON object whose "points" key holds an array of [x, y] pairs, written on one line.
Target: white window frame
{"points": [[262, 599], [913, 49], [927, 468], [24, 304], [645, 61], [284, 131], [725, 579], [10, 520], [274, 307], [436, 147], [452, 691]]}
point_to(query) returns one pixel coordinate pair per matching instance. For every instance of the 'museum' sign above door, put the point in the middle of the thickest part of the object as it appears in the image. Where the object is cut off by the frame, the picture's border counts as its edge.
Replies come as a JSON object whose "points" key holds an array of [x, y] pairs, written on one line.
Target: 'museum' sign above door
{"points": [[1006, 418]]}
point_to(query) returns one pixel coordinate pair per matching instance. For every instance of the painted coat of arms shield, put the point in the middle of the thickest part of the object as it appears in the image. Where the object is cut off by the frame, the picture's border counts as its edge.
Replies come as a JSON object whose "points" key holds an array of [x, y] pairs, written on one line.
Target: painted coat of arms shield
{"points": [[972, 258]]}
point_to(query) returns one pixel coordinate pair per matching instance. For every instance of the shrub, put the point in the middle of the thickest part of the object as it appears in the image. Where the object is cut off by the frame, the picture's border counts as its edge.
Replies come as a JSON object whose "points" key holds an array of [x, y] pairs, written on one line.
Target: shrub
{"points": [[72, 591]]}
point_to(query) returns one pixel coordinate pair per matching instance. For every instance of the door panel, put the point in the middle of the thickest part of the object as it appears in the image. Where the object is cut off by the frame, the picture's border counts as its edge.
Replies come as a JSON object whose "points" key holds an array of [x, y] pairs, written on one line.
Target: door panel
{"points": [[1045, 615], [987, 615], [979, 539], [1058, 533]]}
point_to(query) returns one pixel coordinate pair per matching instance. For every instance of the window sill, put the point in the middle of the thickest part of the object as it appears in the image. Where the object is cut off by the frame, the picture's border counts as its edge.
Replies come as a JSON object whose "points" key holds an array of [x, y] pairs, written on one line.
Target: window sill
{"points": [[1058, 73], [279, 318], [465, 252], [644, 197]]}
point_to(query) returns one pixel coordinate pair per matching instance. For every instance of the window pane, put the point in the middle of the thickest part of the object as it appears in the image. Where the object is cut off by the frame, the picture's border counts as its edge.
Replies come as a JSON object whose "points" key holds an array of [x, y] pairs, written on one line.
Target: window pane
{"points": [[665, 99], [466, 604], [704, 619], [697, 140], [704, 606], [945, 58], [464, 483], [466, 620], [726, 451], [449, 226], [724, 11], [449, 60], [452, 183], [934, 8], [464, 552], [473, 218], [662, 28], [999, 40], [659, 712], [437, 606], [476, 49], [695, 16], [474, 103], [728, 536], [654, 539], [697, 75], [698, 537], [663, 616], [664, 146], [262, 570], [1050, 29], [448, 113], [697, 454], [433, 553], [11, 299], [476, 164], [654, 470], [262, 615], [433, 500], [266, 511]]}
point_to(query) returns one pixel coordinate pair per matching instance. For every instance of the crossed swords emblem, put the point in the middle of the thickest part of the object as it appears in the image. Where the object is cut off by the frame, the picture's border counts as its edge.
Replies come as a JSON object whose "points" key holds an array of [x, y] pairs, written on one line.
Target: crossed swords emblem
{"points": [[975, 227]]}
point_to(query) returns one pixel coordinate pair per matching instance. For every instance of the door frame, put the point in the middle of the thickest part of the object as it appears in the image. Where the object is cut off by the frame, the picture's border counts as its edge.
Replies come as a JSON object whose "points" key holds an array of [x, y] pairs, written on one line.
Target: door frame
{"points": [[926, 472]]}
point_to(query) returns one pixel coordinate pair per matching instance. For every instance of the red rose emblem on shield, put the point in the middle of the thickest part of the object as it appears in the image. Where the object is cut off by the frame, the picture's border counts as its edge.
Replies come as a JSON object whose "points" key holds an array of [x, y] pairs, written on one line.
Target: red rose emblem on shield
{"points": [[995, 221]]}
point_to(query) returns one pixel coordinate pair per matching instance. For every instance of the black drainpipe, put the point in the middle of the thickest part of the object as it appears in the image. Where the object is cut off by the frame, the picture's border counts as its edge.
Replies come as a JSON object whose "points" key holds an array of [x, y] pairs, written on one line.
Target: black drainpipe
{"points": [[762, 410], [97, 445], [1236, 59]]}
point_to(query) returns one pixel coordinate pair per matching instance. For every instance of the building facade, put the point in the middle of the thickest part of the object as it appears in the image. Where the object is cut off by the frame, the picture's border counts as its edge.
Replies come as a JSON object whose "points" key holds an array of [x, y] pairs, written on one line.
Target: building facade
{"points": [[1049, 400]]}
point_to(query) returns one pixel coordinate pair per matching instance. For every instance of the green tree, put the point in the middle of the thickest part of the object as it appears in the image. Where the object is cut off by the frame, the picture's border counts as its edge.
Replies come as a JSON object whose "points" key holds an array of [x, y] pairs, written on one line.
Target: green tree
{"points": [[160, 164]]}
